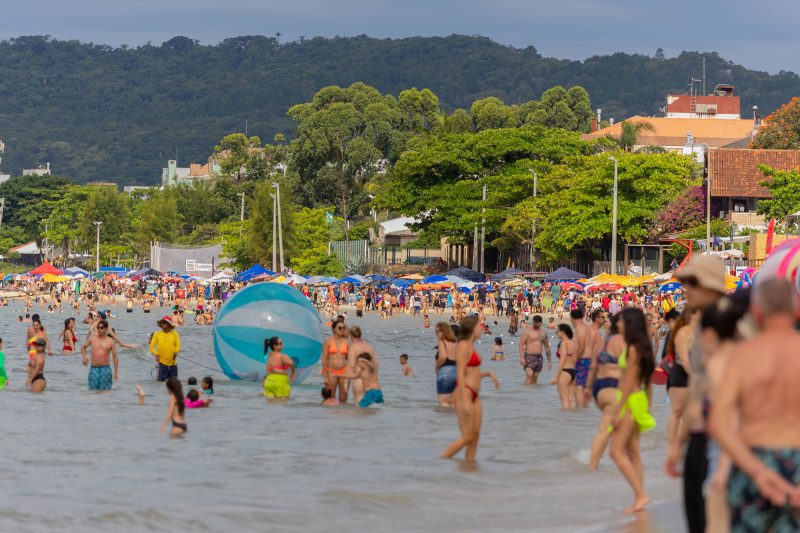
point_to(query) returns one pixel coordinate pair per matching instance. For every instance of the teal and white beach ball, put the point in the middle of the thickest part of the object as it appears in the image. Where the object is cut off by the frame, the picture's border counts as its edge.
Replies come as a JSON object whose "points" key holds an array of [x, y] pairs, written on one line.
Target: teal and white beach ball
{"points": [[260, 311]]}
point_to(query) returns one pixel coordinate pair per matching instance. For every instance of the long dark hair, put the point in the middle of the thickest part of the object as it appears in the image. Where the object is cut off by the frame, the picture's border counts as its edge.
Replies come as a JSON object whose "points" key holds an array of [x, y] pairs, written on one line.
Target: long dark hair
{"points": [[66, 323], [174, 387], [270, 344], [468, 325], [636, 336]]}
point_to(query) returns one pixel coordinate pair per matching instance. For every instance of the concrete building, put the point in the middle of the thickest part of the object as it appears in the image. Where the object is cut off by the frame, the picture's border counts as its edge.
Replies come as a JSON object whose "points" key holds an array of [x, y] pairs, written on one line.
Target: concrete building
{"points": [[721, 104], [41, 170], [736, 181], [175, 175]]}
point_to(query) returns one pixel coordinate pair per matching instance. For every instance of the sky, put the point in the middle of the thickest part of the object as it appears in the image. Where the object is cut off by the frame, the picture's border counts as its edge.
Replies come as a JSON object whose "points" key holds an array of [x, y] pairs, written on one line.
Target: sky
{"points": [[760, 35]]}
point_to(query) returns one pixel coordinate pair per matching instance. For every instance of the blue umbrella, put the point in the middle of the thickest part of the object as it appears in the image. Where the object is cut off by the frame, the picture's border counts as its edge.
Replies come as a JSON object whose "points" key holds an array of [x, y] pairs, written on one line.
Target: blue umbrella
{"points": [[670, 287], [349, 279], [435, 278]]}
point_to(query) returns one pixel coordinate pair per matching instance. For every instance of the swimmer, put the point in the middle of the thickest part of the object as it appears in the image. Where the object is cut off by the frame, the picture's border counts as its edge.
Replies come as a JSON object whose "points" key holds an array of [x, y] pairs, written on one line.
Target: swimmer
{"points": [[334, 360], [327, 397], [194, 401], [426, 321], [176, 408], [565, 373], [445, 364], [36, 381], [603, 382], [100, 375], [280, 370], [357, 346], [192, 381], [407, 370], [366, 370], [583, 351], [469, 409], [207, 385], [533, 343], [69, 337], [498, 352]]}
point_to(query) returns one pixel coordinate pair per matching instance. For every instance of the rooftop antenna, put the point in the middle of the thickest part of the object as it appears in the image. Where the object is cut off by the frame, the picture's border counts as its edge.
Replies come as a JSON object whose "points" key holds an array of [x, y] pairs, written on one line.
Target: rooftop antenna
{"points": [[704, 75]]}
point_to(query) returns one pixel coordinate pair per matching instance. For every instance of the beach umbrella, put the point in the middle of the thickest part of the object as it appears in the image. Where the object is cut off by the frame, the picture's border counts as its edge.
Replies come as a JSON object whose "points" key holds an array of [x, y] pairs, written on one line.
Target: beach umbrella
{"points": [[571, 285], [412, 277], [435, 278], [350, 279], [670, 287]]}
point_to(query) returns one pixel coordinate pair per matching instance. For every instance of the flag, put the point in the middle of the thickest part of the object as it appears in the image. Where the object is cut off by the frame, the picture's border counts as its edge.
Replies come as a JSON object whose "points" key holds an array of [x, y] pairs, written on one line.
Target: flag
{"points": [[770, 236]]}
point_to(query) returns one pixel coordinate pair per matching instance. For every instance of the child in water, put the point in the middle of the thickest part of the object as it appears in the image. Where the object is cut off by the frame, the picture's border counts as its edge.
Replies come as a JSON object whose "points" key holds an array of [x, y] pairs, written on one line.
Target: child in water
{"points": [[327, 397], [365, 369], [407, 370], [176, 408], [499, 353], [194, 401], [426, 322], [207, 385]]}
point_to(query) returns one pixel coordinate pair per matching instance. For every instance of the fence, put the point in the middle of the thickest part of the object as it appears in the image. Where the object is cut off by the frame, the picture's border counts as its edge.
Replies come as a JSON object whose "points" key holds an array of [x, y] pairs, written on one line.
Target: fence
{"points": [[191, 260], [355, 253]]}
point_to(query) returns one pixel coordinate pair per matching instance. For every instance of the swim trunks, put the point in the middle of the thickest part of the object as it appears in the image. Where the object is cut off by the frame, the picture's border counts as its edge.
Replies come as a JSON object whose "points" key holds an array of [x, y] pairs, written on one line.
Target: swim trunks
{"points": [[100, 378], [277, 386], [165, 372], [370, 397], [582, 371], [534, 361], [359, 313], [446, 379], [750, 511]]}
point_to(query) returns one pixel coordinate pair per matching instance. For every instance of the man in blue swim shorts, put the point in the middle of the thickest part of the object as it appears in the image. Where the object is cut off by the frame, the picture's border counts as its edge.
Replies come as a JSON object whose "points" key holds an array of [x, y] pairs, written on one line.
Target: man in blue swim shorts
{"points": [[365, 369], [101, 346]]}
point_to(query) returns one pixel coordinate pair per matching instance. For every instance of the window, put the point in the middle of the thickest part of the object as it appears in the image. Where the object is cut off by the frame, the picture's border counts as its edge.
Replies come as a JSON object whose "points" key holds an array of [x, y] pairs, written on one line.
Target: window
{"points": [[740, 206]]}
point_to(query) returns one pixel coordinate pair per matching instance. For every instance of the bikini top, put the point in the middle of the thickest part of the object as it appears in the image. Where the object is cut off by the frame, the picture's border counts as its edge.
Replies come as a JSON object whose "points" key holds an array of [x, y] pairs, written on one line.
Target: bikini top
{"points": [[475, 360], [605, 358], [334, 348], [271, 368], [621, 360]]}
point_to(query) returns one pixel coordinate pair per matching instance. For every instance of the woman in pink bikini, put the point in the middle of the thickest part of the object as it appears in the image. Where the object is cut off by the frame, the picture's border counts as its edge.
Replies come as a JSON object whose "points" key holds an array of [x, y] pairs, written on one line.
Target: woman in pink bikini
{"points": [[466, 396]]}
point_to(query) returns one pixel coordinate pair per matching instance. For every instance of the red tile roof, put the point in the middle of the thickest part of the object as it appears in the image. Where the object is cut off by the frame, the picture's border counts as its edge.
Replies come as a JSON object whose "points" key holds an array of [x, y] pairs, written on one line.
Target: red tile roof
{"points": [[734, 172]]}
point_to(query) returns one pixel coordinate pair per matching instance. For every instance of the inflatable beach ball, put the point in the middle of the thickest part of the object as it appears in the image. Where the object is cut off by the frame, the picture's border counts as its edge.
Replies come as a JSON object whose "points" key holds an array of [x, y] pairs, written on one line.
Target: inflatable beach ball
{"points": [[258, 312]]}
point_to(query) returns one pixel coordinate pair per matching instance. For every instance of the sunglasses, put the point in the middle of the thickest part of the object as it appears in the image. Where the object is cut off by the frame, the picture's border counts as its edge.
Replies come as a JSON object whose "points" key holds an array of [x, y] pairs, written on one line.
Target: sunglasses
{"points": [[101, 327]]}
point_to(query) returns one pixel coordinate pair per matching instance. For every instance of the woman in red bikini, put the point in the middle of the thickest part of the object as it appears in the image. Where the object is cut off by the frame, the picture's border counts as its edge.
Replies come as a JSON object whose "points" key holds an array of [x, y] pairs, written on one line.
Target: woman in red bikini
{"points": [[334, 360], [70, 339], [469, 410]]}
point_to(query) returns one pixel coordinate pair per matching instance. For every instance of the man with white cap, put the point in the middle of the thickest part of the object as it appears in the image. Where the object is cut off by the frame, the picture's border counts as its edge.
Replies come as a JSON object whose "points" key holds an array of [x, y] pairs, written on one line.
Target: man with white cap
{"points": [[703, 281], [165, 346]]}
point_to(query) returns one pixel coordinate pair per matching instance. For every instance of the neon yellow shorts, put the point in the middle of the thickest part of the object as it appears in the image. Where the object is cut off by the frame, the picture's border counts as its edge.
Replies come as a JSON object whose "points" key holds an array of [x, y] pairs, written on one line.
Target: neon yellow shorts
{"points": [[277, 386], [639, 406]]}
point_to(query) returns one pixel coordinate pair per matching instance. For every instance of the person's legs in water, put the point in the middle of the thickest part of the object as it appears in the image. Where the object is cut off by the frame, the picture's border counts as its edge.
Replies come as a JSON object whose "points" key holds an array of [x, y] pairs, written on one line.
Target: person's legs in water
{"points": [[620, 450]]}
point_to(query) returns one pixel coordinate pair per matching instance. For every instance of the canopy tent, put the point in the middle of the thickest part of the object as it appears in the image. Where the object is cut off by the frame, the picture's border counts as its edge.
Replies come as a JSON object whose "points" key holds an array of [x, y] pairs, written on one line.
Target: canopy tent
{"points": [[221, 276], [359, 277], [74, 271], [253, 271], [142, 272], [457, 280], [350, 279], [563, 273], [314, 280], [507, 273], [46, 268], [402, 282], [435, 278], [467, 273]]}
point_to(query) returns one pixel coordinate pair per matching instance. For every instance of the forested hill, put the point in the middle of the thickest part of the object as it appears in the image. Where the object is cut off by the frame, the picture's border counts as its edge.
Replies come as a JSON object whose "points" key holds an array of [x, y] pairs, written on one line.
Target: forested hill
{"points": [[97, 112]]}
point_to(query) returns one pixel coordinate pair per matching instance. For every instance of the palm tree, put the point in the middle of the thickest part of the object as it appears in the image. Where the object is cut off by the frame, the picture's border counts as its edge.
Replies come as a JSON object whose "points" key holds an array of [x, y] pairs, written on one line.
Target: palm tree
{"points": [[629, 137]]}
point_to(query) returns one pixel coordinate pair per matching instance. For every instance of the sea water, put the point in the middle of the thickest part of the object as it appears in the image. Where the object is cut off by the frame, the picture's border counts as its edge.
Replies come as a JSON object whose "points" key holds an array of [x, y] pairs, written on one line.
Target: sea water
{"points": [[76, 461]]}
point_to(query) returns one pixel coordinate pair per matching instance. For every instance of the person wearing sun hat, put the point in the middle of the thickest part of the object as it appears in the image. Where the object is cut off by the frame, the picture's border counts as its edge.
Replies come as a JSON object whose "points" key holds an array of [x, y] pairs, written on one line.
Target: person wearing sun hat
{"points": [[703, 281], [165, 346]]}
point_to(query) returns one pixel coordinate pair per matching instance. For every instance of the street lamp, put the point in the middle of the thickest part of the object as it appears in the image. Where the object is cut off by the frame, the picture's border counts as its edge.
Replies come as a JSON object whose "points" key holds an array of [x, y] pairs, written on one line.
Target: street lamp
{"points": [[708, 196], [46, 242], [97, 264], [533, 219], [277, 188], [274, 230], [614, 221]]}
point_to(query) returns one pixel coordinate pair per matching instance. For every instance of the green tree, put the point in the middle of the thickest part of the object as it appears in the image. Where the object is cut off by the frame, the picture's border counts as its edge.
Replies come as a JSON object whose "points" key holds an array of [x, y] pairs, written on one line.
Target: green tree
{"points": [[260, 235], [575, 200], [106, 205], [158, 219], [313, 234], [64, 223], [421, 108], [492, 113], [784, 188], [238, 155]]}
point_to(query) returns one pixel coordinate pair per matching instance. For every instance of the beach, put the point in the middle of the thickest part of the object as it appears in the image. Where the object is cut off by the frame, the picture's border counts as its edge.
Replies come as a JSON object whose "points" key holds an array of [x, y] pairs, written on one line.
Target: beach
{"points": [[77, 460]]}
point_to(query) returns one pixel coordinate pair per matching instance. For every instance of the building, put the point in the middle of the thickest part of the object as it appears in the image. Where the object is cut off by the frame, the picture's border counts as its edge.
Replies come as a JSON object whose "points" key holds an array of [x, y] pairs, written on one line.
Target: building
{"points": [[721, 104], [41, 170], [134, 188], [685, 135], [736, 181], [3, 177], [175, 175]]}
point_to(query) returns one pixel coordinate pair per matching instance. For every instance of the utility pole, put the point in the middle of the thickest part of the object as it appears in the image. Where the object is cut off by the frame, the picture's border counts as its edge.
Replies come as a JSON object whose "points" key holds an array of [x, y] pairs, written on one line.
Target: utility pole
{"points": [[483, 233], [2, 208], [614, 222], [277, 187], [274, 232], [241, 215], [97, 264], [533, 219], [475, 248]]}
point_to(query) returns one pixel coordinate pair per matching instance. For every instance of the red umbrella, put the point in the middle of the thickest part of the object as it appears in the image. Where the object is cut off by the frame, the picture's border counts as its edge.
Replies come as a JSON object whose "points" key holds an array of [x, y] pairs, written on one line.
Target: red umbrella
{"points": [[570, 285]]}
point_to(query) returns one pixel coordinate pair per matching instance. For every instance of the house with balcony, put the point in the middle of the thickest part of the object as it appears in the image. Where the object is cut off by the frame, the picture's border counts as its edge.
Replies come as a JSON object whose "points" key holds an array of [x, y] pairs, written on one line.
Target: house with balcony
{"points": [[735, 181]]}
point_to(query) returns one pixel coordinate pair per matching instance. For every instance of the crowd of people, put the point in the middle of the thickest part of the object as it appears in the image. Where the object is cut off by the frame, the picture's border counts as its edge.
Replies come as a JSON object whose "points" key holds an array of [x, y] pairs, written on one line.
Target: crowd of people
{"points": [[732, 431]]}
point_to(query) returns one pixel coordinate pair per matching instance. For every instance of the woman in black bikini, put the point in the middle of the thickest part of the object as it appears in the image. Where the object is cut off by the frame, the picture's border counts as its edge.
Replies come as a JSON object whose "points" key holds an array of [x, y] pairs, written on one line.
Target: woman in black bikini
{"points": [[565, 374], [678, 382], [469, 410], [36, 380], [176, 408]]}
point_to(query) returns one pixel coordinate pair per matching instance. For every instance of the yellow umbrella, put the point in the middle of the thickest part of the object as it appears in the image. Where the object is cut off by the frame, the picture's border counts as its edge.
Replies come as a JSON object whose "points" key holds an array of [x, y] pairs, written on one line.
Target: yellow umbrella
{"points": [[53, 278], [279, 279]]}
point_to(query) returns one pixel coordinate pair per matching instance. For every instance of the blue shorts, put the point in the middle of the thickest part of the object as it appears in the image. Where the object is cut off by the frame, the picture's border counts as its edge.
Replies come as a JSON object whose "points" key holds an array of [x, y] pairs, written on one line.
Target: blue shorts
{"points": [[446, 379], [582, 371], [165, 372], [100, 378], [370, 397]]}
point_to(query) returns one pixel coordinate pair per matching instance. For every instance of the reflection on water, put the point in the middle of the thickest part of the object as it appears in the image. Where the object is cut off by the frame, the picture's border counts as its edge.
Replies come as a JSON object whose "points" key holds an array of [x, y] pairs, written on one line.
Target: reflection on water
{"points": [[77, 461]]}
